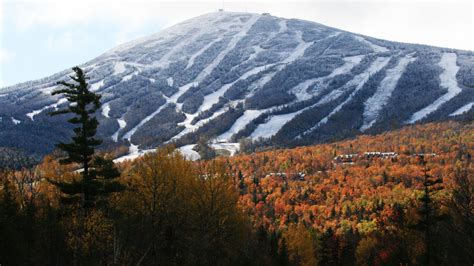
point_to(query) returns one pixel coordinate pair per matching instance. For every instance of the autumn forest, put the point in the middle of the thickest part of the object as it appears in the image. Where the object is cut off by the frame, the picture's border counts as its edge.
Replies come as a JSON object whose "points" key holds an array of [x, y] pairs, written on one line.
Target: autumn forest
{"points": [[411, 205]]}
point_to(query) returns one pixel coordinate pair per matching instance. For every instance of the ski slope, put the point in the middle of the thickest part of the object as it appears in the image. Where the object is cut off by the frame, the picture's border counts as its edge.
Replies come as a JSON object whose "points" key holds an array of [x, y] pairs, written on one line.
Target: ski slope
{"points": [[448, 81], [379, 99]]}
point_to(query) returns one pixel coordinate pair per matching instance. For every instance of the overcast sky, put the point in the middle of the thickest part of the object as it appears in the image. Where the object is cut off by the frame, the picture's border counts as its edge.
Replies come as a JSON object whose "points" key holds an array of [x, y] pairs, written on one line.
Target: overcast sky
{"points": [[41, 37]]}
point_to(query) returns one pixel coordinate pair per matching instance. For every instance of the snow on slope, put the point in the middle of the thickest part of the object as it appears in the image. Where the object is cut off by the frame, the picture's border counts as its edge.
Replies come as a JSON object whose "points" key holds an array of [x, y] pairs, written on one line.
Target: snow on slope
{"points": [[300, 90], [230, 46], [209, 68], [48, 90], [34, 113], [240, 123], [119, 67], [135, 153], [374, 104], [190, 127], [448, 81], [96, 86], [463, 109], [359, 81], [213, 98], [130, 133], [232, 148], [122, 124], [15, 121], [375, 48], [106, 110], [273, 125], [188, 152], [192, 51], [276, 122]]}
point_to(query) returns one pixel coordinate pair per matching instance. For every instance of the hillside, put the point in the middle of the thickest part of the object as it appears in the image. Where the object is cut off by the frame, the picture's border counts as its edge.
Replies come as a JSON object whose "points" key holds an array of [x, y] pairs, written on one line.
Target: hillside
{"points": [[346, 195], [229, 75], [356, 202]]}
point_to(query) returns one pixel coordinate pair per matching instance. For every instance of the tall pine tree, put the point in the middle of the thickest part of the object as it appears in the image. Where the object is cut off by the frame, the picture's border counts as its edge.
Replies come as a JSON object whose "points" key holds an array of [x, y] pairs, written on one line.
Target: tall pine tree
{"points": [[429, 211], [98, 174]]}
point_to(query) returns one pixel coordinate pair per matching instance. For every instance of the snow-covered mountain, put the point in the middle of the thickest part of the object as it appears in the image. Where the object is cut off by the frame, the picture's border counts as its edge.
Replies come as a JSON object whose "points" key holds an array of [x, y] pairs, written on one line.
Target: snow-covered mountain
{"points": [[231, 75]]}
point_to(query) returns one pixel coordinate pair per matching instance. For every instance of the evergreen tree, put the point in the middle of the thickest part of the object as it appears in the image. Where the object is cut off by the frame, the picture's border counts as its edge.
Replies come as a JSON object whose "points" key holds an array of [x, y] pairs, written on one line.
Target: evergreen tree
{"points": [[429, 210], [11, 241], [98, 174]]}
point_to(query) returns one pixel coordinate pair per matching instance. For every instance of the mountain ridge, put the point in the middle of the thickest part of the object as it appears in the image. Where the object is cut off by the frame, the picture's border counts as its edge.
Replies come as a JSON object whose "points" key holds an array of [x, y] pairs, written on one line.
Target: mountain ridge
{"points": [[229, 75]]}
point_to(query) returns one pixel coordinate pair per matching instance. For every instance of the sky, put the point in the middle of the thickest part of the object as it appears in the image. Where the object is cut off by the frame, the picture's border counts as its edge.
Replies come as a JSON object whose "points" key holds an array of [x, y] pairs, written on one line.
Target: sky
{"points": [[41, 37]]}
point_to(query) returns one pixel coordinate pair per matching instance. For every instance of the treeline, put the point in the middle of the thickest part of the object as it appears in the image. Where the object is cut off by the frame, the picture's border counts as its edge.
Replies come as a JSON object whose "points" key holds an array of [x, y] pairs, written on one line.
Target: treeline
{"points": [[172, 212]]}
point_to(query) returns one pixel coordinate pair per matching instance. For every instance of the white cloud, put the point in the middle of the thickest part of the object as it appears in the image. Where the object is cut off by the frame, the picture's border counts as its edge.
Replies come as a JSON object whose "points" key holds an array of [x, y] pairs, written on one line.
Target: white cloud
{"points": [[435, 22]]}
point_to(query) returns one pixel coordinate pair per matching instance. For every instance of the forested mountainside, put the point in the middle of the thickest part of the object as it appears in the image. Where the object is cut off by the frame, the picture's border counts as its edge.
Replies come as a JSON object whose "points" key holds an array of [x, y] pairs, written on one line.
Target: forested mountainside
{"points": [[228, 75], [399, 198]]}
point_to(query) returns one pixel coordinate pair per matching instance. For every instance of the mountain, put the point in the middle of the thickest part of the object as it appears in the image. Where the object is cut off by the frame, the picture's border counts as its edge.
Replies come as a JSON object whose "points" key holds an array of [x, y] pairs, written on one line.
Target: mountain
{"points": [[231, 75]]}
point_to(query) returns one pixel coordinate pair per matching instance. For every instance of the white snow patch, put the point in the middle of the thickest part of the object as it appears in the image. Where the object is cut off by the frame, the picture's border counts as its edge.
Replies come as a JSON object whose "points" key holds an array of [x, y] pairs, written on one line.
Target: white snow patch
{"points": [[129, 76], [106, 110], [231, 147], [97, 85], [188, 152], [15, 121], [213, 98], [48, 90], [273, 125], [130, 133], [134, 153], [34, 113], [384, 91], [122, 124], [375, 48], [240, 123], [119, 67], [299, 50], [170, 81], [448, 81], [3, 95], [189, 127], [463, 109], [300, 90]]}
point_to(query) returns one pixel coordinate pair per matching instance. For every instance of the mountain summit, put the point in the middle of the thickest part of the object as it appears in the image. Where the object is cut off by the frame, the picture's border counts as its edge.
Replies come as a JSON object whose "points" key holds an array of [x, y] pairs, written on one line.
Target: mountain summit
{"points": [[229, 75]]}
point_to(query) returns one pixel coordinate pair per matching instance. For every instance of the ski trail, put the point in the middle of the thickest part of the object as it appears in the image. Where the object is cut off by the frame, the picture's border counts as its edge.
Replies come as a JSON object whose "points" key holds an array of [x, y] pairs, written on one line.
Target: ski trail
{"points": [[273, 125], [375, 48], [34, 113], [122, 124], [189, 128], [200, 52], [130, 133], [276, 122], [213, 98], [384, 91], [448, 81], [359, 81], [240, 123], [297, 53], [230, 46], [300, 90], [464, 109]]}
